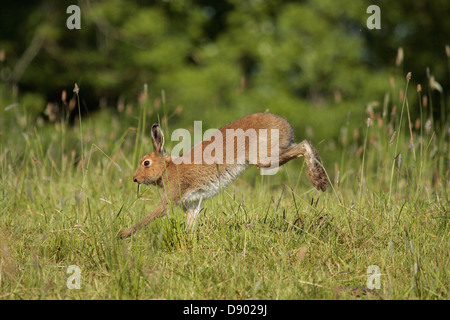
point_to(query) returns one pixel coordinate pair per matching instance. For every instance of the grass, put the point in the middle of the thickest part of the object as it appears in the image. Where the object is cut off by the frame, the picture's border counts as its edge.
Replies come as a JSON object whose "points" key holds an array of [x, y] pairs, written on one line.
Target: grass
{"points": [[66, 191]]}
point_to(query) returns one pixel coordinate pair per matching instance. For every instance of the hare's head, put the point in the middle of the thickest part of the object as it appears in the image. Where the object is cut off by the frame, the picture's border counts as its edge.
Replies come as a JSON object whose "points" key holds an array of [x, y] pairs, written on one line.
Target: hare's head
{"points": [[152, 165]]}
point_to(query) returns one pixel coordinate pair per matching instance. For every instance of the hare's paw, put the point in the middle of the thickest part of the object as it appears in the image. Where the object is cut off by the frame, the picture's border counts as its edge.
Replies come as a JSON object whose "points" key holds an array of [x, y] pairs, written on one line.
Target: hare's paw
{"points": [[125, 234], [318, 177], [316, 172]]}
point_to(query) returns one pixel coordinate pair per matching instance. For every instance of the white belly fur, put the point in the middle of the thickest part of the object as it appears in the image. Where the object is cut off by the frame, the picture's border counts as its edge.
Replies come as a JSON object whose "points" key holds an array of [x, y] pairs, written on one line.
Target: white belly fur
{"points": [[212, 188]]}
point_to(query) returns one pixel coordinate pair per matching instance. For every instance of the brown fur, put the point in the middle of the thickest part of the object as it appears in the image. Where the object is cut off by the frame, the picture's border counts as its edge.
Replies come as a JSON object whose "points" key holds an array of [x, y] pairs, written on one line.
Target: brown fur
{"points": [[178, 180]]}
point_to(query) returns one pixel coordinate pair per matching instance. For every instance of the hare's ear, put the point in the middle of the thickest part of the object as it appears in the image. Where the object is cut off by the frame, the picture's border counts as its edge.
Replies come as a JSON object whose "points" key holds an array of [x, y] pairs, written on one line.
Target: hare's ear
{"points": [[157, 138]]}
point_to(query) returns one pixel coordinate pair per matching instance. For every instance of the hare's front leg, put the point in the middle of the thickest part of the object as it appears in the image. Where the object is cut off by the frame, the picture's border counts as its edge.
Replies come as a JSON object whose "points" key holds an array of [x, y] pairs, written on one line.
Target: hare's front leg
{"points": [[158, 212], [193, 210]]}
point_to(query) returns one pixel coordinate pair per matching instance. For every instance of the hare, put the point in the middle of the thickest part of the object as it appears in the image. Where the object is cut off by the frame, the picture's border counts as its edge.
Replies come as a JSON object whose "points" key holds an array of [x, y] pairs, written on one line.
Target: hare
{"points": [[187, 180]]}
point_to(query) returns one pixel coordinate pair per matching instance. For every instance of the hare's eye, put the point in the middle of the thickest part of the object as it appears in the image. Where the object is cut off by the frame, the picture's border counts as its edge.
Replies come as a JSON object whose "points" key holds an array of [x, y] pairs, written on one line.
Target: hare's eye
{"points": [[146, 163]]}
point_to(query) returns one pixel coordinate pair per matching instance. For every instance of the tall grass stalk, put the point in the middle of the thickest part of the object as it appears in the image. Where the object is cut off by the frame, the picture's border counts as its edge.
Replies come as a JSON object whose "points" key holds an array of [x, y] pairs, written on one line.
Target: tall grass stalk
{"points": [[363, 163], [140, 131], [408, 78]]}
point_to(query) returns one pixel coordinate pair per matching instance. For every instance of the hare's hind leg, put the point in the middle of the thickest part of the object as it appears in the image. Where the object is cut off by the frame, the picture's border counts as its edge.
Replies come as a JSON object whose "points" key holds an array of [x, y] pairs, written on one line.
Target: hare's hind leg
{"points": [[315, 168], [193, 210]]}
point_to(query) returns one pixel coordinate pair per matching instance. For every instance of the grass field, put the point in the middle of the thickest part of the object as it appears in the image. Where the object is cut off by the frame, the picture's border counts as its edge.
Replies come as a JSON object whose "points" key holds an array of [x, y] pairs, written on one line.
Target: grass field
{"points": [[66, 191]]}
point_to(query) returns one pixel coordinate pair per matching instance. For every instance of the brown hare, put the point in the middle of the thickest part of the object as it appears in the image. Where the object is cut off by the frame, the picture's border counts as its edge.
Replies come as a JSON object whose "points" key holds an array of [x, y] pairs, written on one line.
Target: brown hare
{"points": [[187, 180]]}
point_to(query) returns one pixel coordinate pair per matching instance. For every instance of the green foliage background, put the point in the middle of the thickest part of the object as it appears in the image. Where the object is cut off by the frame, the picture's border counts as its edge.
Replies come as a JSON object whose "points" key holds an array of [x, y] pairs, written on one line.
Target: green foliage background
{"points": [[314, 62]]}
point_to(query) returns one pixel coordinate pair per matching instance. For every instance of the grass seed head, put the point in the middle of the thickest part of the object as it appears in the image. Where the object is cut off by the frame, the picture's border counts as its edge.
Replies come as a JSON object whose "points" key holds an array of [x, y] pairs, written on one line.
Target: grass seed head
{"points": [[399, 59]]}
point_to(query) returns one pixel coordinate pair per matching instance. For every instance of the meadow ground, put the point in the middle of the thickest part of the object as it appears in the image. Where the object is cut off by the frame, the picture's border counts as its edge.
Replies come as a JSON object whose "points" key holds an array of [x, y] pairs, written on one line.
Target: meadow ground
{"points": [[379, 232]]}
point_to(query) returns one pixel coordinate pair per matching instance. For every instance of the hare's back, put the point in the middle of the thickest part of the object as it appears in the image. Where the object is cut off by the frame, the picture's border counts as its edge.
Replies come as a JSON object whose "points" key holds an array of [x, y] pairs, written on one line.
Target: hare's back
{"points": [[263, 124]]}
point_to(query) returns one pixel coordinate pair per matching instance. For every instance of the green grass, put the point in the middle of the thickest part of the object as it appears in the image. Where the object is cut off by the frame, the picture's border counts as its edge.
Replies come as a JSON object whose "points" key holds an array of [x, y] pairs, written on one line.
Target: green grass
{"points": [[66, 191]]}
